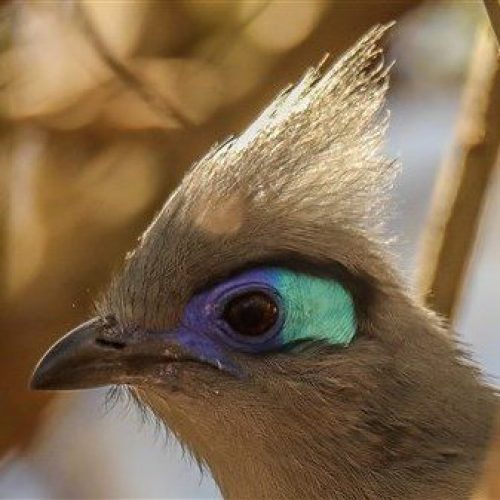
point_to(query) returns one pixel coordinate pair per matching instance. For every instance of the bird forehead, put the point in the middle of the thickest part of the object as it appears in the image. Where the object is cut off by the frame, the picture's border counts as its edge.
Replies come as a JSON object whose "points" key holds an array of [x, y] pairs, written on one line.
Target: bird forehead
{"points": [[182, 259], [164, 272], [222, 215]]}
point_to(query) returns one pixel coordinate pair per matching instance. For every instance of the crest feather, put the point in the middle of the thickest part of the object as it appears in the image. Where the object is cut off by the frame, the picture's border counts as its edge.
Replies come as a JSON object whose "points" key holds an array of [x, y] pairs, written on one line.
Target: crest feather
{"points": [[307, 171], [314, 153]]}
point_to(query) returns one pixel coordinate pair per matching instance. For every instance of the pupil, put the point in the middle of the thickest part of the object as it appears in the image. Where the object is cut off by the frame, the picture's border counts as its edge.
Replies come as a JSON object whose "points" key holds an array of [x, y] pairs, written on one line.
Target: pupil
{"points": [[251, 314]]}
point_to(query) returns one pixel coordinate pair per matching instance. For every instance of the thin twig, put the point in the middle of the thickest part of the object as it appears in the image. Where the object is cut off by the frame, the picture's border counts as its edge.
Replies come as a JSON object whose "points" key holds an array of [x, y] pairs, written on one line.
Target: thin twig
{"points": [[217, 54], [462, 184], [489, 486], [153, 99], [493, 10]]}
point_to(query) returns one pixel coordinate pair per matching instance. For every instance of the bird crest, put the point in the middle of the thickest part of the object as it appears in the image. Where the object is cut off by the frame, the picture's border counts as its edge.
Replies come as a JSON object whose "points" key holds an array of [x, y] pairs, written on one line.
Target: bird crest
{"points": [[309, 168], [314, 154]]}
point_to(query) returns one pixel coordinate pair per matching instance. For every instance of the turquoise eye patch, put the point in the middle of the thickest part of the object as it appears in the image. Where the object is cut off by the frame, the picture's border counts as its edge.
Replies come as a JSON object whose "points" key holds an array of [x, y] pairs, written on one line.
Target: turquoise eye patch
{"points": [[302, 307], [315, 308]]}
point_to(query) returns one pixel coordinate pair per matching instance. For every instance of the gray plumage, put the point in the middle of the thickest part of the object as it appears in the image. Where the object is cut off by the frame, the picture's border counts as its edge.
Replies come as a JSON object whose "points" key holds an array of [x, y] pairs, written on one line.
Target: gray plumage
{"points": [[399, 413]]}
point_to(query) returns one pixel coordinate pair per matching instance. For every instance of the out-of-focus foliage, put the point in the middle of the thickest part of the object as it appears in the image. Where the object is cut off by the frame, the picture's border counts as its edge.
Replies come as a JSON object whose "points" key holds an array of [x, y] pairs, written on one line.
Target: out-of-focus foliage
{"points": [[200, 57]]}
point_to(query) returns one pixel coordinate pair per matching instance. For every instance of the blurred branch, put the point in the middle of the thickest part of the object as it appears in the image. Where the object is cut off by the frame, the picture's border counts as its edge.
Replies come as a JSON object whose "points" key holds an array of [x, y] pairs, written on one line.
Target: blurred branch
{"points": [[493, 10], [217, 53], [489, 487], [5, 36], [153, 99], [462, 184]]}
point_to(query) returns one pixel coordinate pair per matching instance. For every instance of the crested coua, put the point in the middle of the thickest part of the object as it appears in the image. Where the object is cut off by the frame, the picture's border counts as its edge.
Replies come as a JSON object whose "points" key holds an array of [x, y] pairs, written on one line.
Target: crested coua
{"points": [[260, 317]]}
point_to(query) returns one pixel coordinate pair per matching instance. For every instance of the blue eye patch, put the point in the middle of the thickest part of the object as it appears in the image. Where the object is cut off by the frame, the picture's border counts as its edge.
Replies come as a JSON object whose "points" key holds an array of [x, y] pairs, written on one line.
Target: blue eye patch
{"points": [[269, 308]]}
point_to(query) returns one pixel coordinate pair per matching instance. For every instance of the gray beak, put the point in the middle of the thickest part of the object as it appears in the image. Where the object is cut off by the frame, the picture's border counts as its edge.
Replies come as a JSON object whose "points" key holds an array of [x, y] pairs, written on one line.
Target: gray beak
{"points": [[89, 357]]}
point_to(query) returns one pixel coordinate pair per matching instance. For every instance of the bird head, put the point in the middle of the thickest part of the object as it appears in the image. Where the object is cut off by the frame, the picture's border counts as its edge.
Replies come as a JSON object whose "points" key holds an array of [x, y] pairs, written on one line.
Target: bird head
{"points": [[260, 317]]}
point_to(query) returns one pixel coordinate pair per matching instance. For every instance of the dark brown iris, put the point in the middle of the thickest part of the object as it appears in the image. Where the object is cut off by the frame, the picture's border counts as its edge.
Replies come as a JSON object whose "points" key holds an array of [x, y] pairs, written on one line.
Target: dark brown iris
{"points": [[251, 314]]}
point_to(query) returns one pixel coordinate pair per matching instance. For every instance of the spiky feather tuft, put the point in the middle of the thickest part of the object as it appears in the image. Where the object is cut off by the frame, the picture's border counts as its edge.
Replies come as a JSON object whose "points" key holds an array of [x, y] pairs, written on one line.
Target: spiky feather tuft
{"points": [[311, 165], [314, 153]]}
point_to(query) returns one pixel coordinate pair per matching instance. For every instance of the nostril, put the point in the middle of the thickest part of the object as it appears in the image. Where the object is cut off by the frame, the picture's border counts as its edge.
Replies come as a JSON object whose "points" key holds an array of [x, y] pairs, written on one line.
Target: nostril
{"points": [[110, 344], [109, 321]]}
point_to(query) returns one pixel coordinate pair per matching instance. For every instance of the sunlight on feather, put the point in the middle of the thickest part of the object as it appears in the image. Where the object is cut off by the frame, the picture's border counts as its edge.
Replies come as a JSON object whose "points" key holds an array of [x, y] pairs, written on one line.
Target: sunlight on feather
{"points": [[224, 216]]}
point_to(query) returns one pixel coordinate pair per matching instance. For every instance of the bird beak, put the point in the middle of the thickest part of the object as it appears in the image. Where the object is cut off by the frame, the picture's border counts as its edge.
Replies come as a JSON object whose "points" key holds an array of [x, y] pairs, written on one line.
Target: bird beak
{"points": [[89, 356]]}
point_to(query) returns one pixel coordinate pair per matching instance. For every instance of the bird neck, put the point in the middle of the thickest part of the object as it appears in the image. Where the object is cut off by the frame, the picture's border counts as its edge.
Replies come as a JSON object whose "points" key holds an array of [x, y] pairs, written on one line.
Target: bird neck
{"points": [[297, 453], [391, 461]]}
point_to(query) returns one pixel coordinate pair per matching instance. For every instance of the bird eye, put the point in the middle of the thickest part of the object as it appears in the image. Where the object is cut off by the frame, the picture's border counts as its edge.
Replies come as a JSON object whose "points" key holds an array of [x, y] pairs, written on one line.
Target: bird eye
{"points": [[251, 314]]}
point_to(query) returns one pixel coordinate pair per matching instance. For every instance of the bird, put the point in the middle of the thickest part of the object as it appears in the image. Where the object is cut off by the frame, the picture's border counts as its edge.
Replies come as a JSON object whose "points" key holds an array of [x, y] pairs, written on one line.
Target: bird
{"points": [[262, 317]]}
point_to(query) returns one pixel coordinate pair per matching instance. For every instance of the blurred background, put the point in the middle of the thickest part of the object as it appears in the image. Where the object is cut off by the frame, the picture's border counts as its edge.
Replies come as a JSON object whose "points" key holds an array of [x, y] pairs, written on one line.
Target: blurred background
{"points": [[103, 105]]}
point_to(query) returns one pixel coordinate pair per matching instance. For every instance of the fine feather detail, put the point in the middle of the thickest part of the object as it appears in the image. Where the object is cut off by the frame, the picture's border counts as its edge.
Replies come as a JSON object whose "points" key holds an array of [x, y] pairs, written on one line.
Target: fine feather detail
{"points": [[312, 161], [314, 153]]}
